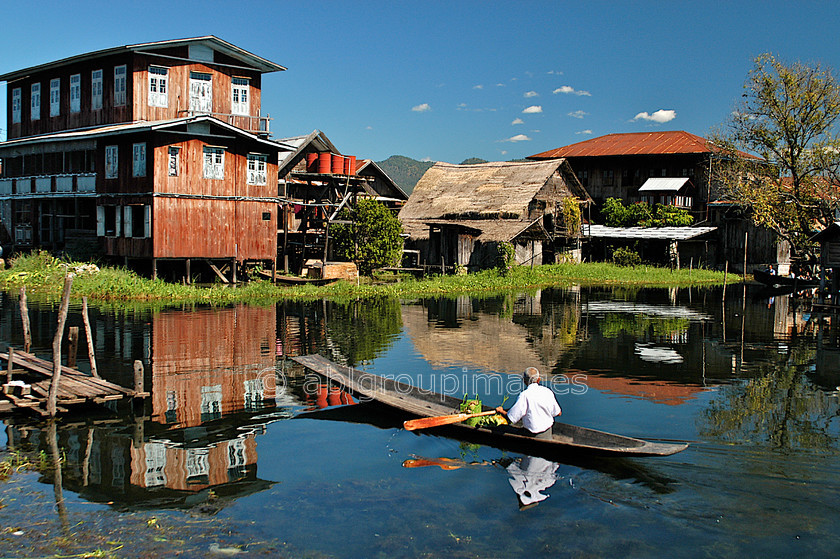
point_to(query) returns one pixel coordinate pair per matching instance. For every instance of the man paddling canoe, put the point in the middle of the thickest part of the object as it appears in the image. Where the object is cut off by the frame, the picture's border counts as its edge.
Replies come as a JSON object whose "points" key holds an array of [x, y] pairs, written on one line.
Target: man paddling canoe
{"points": [[536, 406]]}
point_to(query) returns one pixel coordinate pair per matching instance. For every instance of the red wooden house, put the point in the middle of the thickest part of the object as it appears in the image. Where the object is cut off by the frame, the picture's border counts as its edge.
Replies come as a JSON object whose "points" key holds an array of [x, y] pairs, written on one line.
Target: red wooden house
{"points": [[147, 153]]}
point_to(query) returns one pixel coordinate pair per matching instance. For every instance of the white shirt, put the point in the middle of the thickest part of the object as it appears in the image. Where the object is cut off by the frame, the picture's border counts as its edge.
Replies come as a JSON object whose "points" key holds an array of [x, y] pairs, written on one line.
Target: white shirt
{"points": [[536, 407]]}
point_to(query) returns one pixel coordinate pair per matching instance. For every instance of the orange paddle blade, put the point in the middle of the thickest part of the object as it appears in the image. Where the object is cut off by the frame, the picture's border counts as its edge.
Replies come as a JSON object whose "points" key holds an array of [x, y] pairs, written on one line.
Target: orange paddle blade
{"points": [[426, 422]]}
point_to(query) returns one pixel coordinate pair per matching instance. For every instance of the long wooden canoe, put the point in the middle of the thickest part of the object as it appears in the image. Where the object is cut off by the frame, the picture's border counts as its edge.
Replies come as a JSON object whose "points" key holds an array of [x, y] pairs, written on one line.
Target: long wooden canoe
{"points": [[772, 280], [417, 402]]}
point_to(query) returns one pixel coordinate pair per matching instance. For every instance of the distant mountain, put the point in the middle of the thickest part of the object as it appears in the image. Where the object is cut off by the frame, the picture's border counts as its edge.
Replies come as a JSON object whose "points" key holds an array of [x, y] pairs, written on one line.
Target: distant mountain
{"points": [[407, 171], [404, 170]]}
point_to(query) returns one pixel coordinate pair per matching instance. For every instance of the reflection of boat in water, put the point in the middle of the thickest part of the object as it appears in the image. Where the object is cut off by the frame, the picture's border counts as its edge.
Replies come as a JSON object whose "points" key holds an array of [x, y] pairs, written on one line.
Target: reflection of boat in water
{"points": [[423, 403], [772, 280]]}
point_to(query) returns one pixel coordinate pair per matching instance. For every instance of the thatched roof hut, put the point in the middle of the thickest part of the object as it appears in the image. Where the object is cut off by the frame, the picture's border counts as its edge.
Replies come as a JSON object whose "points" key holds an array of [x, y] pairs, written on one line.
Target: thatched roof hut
{"points": [[489, 203]]}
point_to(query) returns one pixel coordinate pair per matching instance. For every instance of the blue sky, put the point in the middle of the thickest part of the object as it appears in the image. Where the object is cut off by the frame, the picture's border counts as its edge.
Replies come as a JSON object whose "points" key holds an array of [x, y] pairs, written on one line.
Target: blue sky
{"points": [[445, 81]]}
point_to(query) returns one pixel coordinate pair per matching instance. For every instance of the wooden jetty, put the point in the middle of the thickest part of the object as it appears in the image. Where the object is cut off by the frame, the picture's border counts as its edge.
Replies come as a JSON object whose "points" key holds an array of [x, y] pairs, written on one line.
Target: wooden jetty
{"points": [[28, 379]]}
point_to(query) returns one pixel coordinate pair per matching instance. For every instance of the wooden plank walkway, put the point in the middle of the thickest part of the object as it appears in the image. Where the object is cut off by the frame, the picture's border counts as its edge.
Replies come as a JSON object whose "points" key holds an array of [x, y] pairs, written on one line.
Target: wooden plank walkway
{"points": [[74, 386]]}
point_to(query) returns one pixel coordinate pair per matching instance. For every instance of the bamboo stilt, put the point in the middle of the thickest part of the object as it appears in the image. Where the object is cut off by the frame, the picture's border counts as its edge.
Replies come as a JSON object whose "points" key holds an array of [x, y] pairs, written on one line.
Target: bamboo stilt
{"points": [[89, 336], [59, 334], [24, 318]]}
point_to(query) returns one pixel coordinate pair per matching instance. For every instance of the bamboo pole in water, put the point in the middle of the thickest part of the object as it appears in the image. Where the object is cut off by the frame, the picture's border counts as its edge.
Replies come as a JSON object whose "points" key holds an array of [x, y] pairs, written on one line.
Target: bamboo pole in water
{"points": [[24, 318], [59, 334], [89, 336]]}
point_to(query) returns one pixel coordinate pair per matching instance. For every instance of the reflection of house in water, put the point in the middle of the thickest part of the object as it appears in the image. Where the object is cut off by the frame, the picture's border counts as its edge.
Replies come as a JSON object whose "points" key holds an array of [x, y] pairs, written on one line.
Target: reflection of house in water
{"points": [[210, 362], [502, 334], [104, 464]]}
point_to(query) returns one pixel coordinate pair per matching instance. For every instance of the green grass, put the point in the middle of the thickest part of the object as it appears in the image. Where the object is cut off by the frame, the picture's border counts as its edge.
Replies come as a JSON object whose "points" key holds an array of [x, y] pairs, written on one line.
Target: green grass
{"points": [[43, 276]]}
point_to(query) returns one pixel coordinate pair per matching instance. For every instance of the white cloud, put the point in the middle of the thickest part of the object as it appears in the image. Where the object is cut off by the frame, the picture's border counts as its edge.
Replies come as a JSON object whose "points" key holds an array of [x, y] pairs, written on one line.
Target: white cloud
{"points": [[500, 85], [518, 138], [503, 152], [533, 109], [661, 116], [578, 114], [529, 94], [587, 131], [368, 127], [555, 72], [479, 86], [426, 159], [571, 90], [422, 108], [518, 121]]}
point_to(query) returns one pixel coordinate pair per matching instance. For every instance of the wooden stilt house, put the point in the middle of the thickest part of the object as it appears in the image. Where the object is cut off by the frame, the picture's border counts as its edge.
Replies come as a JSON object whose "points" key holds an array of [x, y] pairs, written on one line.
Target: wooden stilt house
{"points": [[462, 215], [148, 154]]}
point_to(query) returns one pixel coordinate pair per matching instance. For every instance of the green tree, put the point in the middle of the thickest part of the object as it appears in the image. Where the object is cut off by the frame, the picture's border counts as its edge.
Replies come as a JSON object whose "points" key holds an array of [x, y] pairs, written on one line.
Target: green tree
{"points": [[640, 214], [788, 117], [372, 240]]}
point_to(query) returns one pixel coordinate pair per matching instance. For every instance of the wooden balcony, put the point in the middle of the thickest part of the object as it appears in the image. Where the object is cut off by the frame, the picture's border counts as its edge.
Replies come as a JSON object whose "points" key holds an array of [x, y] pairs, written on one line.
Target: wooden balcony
{"points": [[258, 125]]}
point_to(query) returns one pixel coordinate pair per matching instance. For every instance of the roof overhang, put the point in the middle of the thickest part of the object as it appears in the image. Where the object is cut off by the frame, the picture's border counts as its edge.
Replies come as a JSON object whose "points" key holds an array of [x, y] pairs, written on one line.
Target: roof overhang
{"points": [[256, 62], [665, 184], [649, 233], [134, 128]]}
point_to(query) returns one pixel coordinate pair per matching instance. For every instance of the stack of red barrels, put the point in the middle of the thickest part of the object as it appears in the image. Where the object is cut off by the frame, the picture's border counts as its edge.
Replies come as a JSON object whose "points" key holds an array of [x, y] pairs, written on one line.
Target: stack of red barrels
{"points": [[326, 163]]}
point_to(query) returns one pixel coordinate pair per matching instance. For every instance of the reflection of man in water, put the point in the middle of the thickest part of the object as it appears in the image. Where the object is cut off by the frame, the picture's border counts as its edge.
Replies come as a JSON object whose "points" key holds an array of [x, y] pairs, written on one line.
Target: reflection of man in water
{"points": [[530, 475], [536, 406]]}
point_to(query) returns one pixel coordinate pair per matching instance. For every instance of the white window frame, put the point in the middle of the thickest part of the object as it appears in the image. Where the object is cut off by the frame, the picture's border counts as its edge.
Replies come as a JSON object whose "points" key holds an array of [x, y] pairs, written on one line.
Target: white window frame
{"points": [[35, 101], [55, 97], [112, 162], [201, 92], [257, 169], [17, 96], [174, 161], [96, 90], [158, 86], [240, 96], [214, 163], [76, 93], [120, 85], [138, 157]]}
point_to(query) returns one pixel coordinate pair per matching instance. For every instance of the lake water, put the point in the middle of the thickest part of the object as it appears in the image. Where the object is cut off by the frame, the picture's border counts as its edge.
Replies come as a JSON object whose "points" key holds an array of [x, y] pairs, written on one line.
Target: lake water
{"points": [[231, 455]]}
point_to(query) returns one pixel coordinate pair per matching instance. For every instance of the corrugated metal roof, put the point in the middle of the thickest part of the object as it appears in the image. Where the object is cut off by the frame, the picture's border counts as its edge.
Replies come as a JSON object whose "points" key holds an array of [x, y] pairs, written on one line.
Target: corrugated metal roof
{"points": [[634, 143], [661, 233], [666, 184], [130, 127], [257, 62]]}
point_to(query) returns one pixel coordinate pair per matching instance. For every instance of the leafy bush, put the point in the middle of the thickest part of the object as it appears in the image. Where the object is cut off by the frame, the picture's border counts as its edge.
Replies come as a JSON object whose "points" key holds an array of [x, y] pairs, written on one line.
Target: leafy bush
{"points": [[640, 214], [623, 256], [373, 239]]}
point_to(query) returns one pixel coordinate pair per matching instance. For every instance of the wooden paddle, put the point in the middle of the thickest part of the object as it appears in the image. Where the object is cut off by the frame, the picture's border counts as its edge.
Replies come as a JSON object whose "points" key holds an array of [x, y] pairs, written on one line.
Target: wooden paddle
{"points": [[426, 422]]}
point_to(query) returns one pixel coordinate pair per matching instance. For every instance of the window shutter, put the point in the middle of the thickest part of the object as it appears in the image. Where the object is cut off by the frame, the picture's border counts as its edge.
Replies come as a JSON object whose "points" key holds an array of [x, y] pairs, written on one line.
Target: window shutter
{"points": [[147, 221], [127, 220], [100, 221], [118, 219]]}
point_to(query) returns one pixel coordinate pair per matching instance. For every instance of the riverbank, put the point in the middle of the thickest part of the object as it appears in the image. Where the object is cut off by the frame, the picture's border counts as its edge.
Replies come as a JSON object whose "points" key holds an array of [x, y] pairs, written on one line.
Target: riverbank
{"points": [[43, 276]]}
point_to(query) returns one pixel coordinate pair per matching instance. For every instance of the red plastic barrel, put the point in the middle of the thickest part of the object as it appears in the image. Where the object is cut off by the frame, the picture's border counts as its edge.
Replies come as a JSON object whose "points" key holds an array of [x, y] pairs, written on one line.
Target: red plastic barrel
{"points": [[350, 168], [311, 162], [337, 164], [324, 162]]}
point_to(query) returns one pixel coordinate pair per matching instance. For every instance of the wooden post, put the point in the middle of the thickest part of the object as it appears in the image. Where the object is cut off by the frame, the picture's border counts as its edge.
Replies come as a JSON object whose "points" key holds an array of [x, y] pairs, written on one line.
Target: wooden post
{"points": [[189, 280], [154, 268], [24, 317], [59, 334], [746, 239], [11, 364], [72, 345], [138, 376], [725, 272], [89, 336]]}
